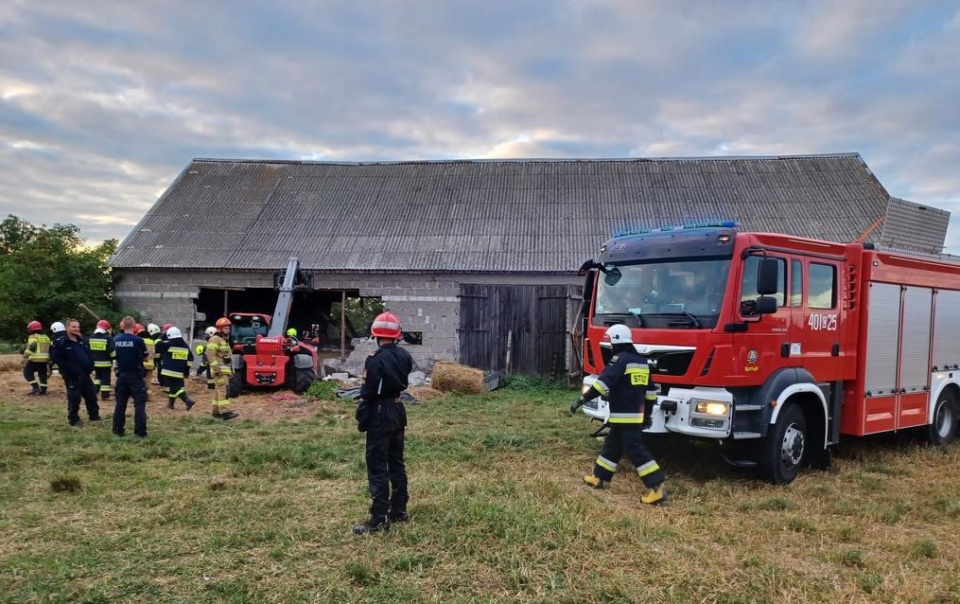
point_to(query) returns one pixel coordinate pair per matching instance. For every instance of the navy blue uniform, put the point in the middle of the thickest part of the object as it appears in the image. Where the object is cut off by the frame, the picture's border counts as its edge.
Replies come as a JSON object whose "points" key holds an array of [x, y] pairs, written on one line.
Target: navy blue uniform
{"points": [[75, 362], [131, 352], [628, 387], [384, 418], [175, 368]]}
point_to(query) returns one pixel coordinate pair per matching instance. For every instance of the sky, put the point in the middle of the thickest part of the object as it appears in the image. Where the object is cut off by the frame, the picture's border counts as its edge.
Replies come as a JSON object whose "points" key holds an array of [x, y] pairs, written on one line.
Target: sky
{"points": [[104, 103]]}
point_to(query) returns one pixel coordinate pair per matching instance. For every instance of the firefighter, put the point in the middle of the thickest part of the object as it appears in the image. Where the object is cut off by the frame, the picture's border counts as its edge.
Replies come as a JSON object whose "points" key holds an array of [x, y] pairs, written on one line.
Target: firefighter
{"points": [[220, 364], [101, 346], [131, 353], [627, 385], [143, 333], [203, 367], [160, 347], [176, 367], [37, 355], [71, 353], [382, 416], [290, 341], [57, 331]]}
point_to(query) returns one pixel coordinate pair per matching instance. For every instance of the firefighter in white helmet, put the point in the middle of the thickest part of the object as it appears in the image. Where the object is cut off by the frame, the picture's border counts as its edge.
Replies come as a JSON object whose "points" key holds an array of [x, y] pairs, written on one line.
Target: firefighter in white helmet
{"points": [[626, 383]]}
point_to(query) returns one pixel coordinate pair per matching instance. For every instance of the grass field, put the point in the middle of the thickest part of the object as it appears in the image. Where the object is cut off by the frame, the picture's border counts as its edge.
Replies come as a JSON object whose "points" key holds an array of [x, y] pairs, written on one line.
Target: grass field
{"points": [[256, 511]]}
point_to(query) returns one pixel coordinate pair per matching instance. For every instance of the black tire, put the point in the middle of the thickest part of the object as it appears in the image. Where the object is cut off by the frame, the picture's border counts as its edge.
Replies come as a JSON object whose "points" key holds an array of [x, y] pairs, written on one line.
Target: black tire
{"points": [[236, 384], [783, 451], [303, 378], [943, 429]]}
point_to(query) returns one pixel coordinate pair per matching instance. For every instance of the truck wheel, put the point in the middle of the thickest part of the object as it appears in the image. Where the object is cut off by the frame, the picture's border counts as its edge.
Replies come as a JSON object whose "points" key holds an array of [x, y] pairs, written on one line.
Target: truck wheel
{"points": [[943, 429], [236, 383], [304, 377], [782, 451]]}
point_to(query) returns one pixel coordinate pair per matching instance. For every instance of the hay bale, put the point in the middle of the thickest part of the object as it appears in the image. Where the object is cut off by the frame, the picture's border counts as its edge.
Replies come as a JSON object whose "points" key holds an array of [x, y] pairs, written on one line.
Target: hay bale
{"points": [[453, 377], [11, 362], [424, 393]]}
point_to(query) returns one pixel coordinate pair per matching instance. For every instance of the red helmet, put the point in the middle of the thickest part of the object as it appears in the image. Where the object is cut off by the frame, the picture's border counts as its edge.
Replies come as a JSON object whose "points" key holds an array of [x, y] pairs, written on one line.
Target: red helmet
{"points": [[103, 324], [165, 327], [138, 328], [223, 322], [386, 325], [34, 326]]}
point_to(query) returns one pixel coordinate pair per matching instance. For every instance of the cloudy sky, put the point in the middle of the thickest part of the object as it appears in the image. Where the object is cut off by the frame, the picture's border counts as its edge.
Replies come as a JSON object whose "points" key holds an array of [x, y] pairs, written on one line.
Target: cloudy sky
{"points": [[102, 104]]}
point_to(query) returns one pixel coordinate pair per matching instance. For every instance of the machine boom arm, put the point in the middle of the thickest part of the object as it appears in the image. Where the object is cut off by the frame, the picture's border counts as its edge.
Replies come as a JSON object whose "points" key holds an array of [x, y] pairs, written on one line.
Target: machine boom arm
{"points": [[281, 314]]}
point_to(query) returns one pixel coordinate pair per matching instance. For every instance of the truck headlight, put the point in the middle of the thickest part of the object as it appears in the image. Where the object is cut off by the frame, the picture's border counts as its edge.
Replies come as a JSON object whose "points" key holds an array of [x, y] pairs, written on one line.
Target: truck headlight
{"points": [[714, 408]]}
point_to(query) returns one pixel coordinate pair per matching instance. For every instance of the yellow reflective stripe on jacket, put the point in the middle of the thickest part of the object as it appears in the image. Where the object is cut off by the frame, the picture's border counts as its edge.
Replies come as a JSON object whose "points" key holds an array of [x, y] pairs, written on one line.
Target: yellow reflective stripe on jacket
{"points": [[602, 388], [38, 348], [639, 374], [171, 373], [626, 418]]}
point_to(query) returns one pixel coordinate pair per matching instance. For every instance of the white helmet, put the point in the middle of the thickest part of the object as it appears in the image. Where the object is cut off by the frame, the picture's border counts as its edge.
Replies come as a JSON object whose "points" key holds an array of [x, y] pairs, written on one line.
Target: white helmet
{"points": [[57, 327], [174, 332], [618, 334], [153, 329], [210, 331]]}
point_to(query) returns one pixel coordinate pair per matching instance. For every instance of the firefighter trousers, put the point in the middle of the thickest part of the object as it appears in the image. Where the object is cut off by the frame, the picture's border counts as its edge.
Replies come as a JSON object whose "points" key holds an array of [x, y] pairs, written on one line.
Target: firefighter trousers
{"points": [[386, 472], [35, 372], [101, 380], [627, 439]]}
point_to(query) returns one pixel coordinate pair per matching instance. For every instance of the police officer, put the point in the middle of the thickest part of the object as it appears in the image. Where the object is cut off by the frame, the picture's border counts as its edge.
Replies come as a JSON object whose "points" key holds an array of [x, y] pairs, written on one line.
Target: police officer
{"points": [[101, 345], [383, 417], [627, 385], [220, 363], [175, 367], [37, 355], [131, 352], [71, 353]]}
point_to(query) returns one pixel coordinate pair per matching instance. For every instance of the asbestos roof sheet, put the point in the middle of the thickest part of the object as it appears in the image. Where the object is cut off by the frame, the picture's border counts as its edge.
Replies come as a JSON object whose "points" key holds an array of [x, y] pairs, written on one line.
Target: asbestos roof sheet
{"points": [[487, 216]]}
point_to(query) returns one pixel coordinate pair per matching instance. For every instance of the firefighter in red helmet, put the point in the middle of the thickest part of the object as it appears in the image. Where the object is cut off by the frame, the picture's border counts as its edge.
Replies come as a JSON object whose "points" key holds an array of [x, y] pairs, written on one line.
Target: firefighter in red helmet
{"points": [[37, 355], [382, 416], [101, 348], [220, 368]]}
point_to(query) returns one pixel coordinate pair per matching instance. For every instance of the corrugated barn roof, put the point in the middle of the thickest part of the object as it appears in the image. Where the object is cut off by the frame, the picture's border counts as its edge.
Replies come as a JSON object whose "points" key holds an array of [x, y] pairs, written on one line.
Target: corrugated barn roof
{"points": [[490, 216]]}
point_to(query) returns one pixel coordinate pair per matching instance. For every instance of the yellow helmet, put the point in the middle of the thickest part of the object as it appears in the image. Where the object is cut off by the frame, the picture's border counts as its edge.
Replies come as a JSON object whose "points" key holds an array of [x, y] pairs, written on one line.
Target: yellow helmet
{"points": [[292, 332]]}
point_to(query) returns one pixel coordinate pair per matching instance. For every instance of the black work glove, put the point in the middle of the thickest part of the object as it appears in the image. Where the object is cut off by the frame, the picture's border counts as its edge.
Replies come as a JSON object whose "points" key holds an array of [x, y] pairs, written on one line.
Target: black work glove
{"points": [[211, 386], [577, 404]]}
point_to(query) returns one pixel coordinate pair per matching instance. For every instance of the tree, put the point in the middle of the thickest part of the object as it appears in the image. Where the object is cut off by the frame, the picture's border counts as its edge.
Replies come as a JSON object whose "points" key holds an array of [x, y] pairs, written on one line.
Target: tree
{"points": [[46, 273]]}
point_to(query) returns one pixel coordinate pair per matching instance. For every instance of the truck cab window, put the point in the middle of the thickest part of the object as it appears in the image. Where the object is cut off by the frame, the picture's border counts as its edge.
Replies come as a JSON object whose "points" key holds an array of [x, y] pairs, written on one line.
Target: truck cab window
{"points": [[822, 286], [748, 288], [796, 283]]}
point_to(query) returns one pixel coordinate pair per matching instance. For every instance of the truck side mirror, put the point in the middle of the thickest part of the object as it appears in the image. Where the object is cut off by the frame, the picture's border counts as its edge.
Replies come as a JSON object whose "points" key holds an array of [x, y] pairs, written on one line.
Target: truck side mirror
{"points": [[768, 276], [766, 305], [611, 276]]}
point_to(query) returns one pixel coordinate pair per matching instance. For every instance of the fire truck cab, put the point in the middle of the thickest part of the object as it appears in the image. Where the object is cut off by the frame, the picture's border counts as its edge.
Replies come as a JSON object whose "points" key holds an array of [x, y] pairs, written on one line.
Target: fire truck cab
{"points": [[774, 345]]}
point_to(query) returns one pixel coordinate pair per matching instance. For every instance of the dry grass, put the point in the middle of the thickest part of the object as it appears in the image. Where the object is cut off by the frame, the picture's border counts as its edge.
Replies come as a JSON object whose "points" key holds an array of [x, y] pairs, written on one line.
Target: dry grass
{"points": [[11, 362], [452, 377], [257, 511]]}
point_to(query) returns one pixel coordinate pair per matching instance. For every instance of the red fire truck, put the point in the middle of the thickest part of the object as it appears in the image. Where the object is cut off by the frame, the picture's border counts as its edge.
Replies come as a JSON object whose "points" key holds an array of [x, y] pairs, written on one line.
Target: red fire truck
{"points": [[774, 346]]}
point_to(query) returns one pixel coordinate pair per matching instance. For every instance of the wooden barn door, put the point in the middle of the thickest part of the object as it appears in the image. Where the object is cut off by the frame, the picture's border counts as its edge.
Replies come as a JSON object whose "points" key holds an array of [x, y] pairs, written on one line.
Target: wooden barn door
{"points": [[535, 315]]}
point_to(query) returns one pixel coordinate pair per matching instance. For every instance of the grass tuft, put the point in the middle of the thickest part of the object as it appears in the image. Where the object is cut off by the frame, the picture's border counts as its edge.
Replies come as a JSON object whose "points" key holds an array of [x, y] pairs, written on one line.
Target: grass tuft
{"points": [[66, 484]]}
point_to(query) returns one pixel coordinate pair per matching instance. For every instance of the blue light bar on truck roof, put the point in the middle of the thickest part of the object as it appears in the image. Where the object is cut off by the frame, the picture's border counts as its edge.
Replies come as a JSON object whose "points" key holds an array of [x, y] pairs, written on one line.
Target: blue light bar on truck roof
{"points": [[728, 224]]}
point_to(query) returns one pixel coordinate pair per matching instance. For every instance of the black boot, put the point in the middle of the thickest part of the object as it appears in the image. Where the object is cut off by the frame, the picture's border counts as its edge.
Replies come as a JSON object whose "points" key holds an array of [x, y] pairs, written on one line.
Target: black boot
{"points": [[228, 415], [374, 524], [189, 402], [34, 391], [105, 396], [398, 517], [170, 404]]}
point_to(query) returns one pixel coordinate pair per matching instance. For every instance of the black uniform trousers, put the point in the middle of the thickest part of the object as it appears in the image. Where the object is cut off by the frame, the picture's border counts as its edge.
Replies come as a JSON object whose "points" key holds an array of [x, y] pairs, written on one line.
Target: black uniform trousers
{"points": [[130, 384], [81, 386], [34, 370], [386, 472], [627, 439]]}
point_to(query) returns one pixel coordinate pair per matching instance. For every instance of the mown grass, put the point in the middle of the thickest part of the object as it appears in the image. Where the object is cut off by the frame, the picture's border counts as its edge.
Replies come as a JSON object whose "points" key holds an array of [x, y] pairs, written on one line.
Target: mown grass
{"points": [[252, 512]]}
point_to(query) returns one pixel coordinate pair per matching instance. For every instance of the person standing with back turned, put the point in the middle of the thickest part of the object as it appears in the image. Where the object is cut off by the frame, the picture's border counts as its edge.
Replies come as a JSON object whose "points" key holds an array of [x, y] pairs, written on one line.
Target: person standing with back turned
{"points": [[131, 352], [382, 416]]}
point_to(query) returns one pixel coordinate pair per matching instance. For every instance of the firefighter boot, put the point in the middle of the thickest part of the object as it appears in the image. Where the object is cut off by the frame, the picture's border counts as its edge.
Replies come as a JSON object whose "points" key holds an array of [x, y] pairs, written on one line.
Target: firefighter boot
{"points": [[34, 390], [654, 495], [374, 524], [189, 402], [170, 402], [593, 481], [398, 517], [43, 391], [228, 415], [105, 395]]}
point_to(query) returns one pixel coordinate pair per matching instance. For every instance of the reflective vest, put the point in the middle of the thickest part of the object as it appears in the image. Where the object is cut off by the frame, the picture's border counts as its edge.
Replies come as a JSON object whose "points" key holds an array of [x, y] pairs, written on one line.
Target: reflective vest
{"points": [[151, 351], [38, 348], [219, 356]]}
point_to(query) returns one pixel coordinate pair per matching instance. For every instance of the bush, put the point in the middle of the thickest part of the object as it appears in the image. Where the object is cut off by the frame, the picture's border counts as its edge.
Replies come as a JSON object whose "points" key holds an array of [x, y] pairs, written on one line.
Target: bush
{"points": [[322, 390]]}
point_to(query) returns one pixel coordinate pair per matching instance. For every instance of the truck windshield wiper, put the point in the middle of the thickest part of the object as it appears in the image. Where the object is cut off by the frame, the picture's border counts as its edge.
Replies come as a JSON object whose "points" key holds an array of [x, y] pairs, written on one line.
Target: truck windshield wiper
{"points": [[614, 317], [687, 315]]}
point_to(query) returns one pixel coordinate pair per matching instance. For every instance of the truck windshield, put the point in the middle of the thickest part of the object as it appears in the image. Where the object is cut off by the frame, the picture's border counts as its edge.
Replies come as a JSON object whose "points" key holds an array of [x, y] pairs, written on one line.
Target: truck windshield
{"points": [[681, 294]]}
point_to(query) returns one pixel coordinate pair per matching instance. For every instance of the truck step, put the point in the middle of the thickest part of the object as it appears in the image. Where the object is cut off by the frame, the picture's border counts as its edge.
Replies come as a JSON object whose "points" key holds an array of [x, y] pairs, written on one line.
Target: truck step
{"points": [[746, 435], [748, 407], [738, 463]]}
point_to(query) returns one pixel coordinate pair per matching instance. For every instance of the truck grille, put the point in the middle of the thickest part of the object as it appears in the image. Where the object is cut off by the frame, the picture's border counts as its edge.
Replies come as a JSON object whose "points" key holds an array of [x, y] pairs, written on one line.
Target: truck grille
{"points": [[668, 362]]}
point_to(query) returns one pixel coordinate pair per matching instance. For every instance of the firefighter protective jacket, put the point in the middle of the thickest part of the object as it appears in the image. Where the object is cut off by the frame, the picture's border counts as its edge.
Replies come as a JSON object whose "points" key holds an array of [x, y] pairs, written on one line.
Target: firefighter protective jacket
{"points": [[101, 348], [176, 359], [626, 383], [38, 348], [150, 343], [219, 357], [386, 372]]}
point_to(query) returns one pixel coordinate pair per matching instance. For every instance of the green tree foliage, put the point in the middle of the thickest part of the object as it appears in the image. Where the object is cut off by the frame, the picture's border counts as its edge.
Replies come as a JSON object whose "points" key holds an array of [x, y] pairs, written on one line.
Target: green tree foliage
{"points": [[46, 273]]}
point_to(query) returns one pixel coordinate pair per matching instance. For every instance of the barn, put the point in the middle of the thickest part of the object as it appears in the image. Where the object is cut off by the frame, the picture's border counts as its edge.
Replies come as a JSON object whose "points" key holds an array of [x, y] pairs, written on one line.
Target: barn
{"points": [[478, 258]]}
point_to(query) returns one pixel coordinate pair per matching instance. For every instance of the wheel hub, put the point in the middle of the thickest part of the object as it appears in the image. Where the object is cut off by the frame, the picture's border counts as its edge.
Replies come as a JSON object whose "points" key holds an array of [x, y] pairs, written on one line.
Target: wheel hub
{"points": [[791, 451]]}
